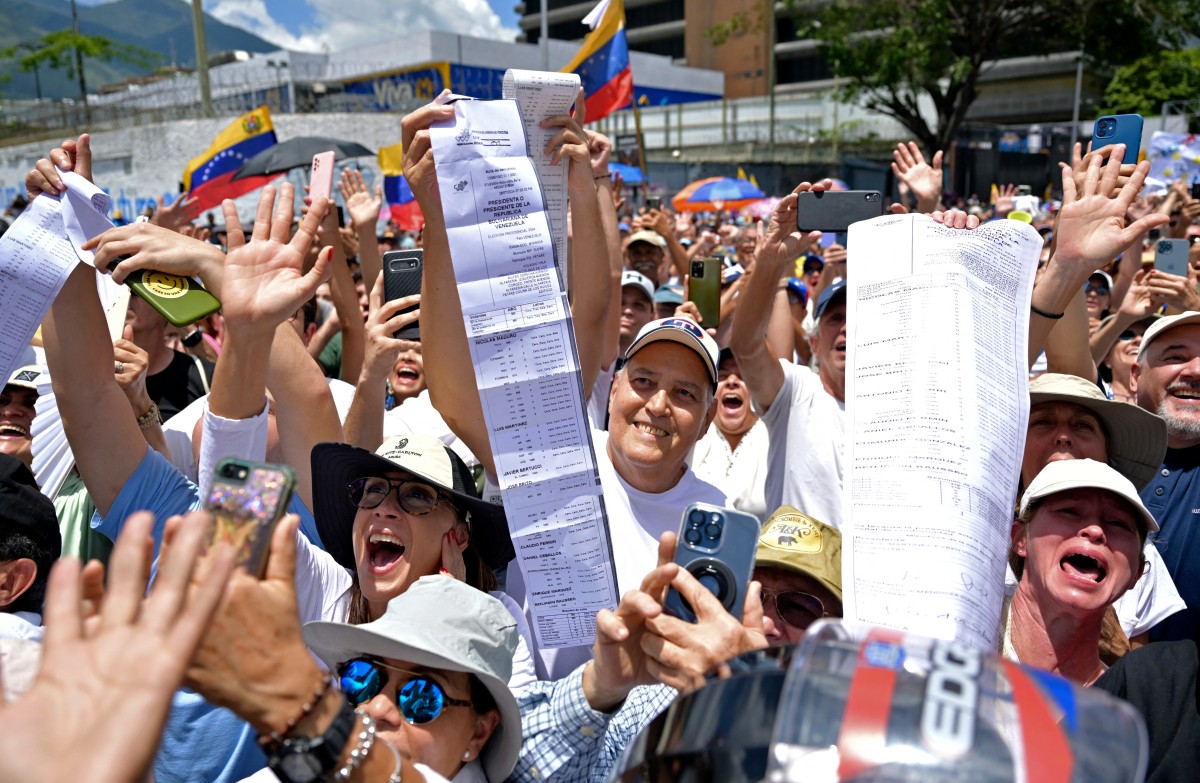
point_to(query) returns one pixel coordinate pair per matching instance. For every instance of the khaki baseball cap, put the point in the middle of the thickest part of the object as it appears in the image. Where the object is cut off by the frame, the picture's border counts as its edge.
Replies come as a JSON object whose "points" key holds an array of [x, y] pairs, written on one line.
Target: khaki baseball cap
{"points": [[796, 542]]}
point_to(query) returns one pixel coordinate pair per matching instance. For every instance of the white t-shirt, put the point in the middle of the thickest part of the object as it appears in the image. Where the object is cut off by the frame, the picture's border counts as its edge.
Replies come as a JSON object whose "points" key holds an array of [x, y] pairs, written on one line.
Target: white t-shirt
{"points": [[635, 521], [177, 430], [805, 429], [740, 474]]}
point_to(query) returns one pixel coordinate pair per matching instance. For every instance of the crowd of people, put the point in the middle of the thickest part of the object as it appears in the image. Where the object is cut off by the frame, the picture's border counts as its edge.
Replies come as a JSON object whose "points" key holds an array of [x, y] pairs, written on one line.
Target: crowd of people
{"points": [[389, 636]]}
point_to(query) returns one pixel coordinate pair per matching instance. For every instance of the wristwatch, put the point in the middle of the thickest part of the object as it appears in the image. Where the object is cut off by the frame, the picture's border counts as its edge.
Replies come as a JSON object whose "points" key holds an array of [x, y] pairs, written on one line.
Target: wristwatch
{"points": [[312, 759]]}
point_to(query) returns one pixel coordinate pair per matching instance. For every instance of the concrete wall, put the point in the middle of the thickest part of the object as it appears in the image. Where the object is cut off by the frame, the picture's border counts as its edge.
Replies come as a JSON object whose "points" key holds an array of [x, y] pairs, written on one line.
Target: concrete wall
{"points": [[138, 164]]}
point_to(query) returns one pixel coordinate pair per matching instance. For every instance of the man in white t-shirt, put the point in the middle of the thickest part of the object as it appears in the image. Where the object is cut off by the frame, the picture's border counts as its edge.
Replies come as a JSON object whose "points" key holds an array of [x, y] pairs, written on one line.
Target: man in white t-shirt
{"points": [[660, 404], [803, 410]]}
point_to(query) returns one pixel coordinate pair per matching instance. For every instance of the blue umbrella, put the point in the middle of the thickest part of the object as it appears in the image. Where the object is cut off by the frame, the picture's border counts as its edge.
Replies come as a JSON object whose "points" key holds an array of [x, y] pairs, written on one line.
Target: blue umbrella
{"points": [[632, 175]]}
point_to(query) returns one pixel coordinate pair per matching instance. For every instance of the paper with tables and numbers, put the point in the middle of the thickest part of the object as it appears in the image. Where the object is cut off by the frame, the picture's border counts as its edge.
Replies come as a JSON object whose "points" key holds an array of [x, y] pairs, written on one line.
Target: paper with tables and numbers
{"points": [[542, 94], [522, 346], [937, 405]]}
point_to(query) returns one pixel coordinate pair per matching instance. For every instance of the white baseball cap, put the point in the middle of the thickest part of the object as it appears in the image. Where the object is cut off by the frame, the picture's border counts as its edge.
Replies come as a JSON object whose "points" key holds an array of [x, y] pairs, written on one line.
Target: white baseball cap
{"points": [[1085, 474], [1163, 324], [684, 331]]}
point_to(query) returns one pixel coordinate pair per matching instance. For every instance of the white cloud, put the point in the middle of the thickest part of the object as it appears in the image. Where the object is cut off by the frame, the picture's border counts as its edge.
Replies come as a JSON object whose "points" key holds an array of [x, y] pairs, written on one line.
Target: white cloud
{"points": [[346, 24]]}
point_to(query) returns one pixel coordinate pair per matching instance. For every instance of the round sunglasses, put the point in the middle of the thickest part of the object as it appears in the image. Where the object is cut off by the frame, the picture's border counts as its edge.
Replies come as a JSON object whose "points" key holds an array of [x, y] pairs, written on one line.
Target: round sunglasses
{"points": [[797, 609], [415, 497], [421, 699]]}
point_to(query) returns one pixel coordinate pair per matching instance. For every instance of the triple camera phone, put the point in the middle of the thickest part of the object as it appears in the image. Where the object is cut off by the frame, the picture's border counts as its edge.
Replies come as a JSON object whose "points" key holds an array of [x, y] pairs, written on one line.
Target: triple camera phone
{"points": [[716, 545]]}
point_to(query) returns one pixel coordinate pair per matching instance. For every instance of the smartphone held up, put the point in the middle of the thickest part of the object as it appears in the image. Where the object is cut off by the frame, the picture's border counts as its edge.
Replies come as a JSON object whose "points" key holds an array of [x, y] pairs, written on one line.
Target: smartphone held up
{"points": [[716, 546], [246, 500]]}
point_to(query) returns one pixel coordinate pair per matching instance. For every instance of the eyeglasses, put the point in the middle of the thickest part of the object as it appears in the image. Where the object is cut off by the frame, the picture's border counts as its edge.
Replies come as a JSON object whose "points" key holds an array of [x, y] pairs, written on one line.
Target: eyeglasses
{"points": [[1128, 335], [1096, 288], [415, 497], [795, 608], [421, 699]]}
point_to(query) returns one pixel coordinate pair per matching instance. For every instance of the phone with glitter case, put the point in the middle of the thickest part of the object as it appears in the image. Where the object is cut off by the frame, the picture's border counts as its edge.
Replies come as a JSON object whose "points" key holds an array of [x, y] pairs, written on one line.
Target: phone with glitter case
{"points": [[246, 500]]}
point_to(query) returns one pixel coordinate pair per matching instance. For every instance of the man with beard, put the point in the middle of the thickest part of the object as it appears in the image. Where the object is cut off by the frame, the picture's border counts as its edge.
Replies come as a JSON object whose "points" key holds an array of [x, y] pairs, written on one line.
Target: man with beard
{"points": [[732, 454], [1166, 380]]}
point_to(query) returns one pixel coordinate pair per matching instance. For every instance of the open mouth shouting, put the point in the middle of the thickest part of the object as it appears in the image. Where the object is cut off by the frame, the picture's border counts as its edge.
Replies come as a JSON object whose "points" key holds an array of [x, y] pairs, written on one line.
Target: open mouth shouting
{"points": [[407, 375], [384, 552], [1083, 568], [732, 404]]}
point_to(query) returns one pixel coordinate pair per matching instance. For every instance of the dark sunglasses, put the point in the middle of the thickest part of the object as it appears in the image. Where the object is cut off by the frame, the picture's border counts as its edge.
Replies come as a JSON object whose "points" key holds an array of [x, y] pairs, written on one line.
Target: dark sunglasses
{"points": [[808, 270], [1102, 290], [795, 608], [415, 497], [1128, 335], [421, 699]]}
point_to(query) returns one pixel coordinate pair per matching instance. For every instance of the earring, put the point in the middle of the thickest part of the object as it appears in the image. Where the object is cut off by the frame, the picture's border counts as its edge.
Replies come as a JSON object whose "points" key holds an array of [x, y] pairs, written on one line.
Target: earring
{"points": [[467, 756]]}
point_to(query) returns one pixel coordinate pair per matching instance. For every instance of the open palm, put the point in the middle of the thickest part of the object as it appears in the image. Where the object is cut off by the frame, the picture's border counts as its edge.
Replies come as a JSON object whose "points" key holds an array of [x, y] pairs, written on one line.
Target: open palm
{"points": [[265, 282]]}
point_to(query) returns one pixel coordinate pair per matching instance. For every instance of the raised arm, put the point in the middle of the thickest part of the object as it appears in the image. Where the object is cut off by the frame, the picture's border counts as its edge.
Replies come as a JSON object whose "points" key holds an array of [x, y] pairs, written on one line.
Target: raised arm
{"points": [[364, 207], [591, 276], [782, 244], [601, 148], [448, 371], [1092, 229]]}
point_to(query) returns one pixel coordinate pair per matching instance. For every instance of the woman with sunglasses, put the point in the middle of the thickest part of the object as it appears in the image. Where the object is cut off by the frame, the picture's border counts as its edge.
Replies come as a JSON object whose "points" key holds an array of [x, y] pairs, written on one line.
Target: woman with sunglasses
{"points": [[419, 693]]}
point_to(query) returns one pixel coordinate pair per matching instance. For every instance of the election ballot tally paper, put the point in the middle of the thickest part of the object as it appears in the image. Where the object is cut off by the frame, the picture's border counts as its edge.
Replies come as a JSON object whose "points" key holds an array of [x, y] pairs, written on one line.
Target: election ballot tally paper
{"points": [[937, 404], [523, 349], [542, 94]]}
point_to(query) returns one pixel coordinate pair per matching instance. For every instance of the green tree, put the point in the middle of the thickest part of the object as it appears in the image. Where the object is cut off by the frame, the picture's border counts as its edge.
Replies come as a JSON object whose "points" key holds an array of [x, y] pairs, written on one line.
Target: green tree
{"points": [[57, 50], [892, 54], [1145, 84]]}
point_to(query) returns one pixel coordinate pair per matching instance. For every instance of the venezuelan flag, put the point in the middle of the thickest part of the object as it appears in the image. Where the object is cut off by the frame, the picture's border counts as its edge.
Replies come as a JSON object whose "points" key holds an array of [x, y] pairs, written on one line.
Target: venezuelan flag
{"points": [[603, 61], [208, 178], [401, 203]]}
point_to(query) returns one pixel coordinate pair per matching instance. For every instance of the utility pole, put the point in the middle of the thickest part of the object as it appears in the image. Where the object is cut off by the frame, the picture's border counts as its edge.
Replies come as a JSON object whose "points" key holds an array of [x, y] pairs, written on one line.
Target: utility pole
{"points": [[201, 58], [544, 34], [87, 111]]}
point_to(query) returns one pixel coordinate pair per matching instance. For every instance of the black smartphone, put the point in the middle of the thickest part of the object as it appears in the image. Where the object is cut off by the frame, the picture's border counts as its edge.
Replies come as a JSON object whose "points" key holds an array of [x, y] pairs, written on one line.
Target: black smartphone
{"points": [[835, 210], [653, 202], [402, 277], [1196, 190], [246, 500], [716, 545], [341, 213], [704, 288]]}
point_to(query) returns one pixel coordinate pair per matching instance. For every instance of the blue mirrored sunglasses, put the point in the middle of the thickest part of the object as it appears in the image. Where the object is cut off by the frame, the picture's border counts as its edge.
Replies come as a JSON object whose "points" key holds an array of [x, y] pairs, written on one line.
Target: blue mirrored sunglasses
{"points": [[421, 699]]}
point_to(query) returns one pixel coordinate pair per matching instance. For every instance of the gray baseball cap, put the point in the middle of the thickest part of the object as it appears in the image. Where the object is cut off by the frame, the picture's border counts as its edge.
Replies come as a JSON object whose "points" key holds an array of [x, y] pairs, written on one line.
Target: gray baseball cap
{"points": [[478, 636]]}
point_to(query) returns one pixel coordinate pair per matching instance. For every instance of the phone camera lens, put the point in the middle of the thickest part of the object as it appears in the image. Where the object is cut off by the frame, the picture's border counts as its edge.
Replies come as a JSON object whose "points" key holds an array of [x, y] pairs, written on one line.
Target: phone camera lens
{"points": [[241, 473], [692, 536], [696, 517], [1164, 247], [713, 530]]}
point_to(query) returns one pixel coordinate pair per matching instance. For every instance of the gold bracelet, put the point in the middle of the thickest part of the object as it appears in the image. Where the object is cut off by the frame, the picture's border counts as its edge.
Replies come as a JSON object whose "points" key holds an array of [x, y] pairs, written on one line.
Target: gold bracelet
{"points": [[151, 417]]}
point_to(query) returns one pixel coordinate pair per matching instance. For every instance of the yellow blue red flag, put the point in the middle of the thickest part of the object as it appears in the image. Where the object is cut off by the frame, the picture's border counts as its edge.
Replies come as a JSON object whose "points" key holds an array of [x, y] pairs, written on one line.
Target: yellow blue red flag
{"points": [[208, 177], [603, 61], [402, 205]]}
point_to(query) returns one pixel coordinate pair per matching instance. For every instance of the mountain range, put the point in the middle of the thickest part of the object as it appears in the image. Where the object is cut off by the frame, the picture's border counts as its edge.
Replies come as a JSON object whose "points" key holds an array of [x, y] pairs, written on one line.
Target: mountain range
{"points": [[160, 26]]}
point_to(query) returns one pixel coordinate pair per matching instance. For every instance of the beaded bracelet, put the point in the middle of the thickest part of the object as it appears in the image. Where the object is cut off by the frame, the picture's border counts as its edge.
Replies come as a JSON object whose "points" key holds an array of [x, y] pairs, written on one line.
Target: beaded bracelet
{"points": [[277, 736], [366, 739]]}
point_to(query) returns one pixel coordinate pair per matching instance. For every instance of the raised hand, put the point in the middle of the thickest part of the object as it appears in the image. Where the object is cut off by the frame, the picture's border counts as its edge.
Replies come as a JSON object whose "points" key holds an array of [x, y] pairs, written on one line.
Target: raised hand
{"points": [[600, 148], [159, 248], [384, 320], [419, 170], [264, 279], [955, 218], [362, 206], [179, 213], [1138, 301], [923, 179], [783, 242], [1092, 227], [71, 156], [571, 141], [112, 661], [1004, 203]]}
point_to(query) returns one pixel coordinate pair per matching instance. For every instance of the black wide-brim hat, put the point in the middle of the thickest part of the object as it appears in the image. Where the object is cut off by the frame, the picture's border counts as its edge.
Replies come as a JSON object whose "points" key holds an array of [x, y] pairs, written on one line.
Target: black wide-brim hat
{"points": [[336, 465]]}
